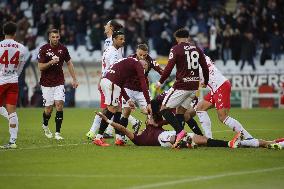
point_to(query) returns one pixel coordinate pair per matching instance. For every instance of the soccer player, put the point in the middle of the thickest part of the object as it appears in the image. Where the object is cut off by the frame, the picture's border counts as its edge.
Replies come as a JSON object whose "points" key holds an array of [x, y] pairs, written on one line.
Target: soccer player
{"points": [[110, 56], [132, 87], [13, 56], [155, 135], [218, 97], [187, 58], [112, 87], [109, 28], [51, 58]]}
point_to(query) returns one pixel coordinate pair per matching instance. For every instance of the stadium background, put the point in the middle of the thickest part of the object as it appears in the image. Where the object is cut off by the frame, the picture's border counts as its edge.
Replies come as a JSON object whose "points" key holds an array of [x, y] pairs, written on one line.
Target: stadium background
{"points": [[229, 31]]}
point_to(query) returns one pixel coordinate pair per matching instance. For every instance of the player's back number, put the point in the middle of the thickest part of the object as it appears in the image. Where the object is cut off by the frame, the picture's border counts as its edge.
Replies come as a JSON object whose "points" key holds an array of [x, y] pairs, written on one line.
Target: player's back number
{"points": [[192, 58]]}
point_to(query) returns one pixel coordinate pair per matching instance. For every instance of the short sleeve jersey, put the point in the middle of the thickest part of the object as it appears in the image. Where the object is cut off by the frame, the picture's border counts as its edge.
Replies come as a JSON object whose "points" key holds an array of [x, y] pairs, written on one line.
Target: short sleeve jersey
{"points": [[216, 78], [187, 58], [13, 56], [53, 75], [110, 56]]}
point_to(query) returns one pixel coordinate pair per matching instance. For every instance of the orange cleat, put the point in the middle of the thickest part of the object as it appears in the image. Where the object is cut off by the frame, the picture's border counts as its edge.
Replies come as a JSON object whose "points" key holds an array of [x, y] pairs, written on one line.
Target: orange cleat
{"points": [[235, 142], [119, 142], [100, 142]]}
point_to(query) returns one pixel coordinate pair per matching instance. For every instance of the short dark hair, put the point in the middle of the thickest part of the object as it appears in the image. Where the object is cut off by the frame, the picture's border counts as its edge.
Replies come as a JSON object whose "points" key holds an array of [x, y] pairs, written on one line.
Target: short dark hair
{"points": [[52, 31], [9, 28], [143, 47], [115, 25], [117, 33], [181, 33]]}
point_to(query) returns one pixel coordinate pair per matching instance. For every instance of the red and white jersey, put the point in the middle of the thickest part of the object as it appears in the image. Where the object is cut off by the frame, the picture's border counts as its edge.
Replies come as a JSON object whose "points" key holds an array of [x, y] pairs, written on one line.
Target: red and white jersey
{"points": [[13, 56], [216, 78], [110, 56]]}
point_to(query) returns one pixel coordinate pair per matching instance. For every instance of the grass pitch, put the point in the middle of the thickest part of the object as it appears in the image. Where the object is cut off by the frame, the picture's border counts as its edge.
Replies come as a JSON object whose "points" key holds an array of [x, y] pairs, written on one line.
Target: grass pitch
{"points": [[74, 163]]}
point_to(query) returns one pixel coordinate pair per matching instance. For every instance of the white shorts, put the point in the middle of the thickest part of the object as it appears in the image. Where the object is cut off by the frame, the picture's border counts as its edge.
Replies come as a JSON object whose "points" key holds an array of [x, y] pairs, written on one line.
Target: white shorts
{"points": [[50, 94], [165, 138], [136, 97], [111, 92], [176, 98]]}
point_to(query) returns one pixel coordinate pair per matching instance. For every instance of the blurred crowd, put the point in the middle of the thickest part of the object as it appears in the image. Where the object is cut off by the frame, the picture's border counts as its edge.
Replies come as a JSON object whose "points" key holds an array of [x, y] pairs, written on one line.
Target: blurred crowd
{"points": [[254, 27]]}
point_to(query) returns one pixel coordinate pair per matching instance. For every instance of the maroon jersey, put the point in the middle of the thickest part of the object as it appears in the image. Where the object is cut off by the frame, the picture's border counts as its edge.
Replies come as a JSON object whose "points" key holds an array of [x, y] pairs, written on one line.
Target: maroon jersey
{"points": [[53, 76], [125, 69], [187, 59], [148, 137], [133, 83]]}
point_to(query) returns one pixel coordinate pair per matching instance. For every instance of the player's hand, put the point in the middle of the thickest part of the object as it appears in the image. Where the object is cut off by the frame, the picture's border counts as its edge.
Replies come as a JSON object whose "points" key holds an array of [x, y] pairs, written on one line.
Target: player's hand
{"points": [[158, 85], [74, 84], [55, 59], [131, 104], [149, 109], [102, 116]]}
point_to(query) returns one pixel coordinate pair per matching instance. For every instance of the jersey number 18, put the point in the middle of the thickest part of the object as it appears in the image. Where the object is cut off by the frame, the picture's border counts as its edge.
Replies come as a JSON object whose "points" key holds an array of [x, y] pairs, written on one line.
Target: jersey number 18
{"points": [[192, 59]]}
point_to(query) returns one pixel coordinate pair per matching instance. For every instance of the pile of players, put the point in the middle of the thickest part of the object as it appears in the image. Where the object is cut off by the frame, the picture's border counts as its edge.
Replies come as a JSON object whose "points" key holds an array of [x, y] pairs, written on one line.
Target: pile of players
{"points": [[123, 84]]}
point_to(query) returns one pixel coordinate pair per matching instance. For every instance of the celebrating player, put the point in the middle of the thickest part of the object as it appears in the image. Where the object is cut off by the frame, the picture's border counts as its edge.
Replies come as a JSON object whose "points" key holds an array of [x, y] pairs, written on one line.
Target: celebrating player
{"points": [[132, 87], [12, 59], [187, 58], [50, 62], [112, 87]]}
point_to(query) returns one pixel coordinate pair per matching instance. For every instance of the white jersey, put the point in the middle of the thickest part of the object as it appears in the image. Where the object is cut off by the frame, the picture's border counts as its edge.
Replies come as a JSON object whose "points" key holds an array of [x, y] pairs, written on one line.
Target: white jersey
{"points": [[110, 56], [216, 78], [13, 56]]}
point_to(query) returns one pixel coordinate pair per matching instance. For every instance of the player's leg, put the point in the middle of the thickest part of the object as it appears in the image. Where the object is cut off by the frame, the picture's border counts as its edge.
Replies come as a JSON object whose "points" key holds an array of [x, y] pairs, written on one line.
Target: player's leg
{"points": [[188, 118], [117, 126], [203, 116], [97, 120], [234, 124], [11, 94], [172, 100], [112, 93], [59, 98], [48, 101]]}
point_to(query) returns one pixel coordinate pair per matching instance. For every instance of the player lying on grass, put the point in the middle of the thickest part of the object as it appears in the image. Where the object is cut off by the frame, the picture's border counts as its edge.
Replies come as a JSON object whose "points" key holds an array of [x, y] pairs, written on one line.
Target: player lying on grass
{"points": [[155, 135]]}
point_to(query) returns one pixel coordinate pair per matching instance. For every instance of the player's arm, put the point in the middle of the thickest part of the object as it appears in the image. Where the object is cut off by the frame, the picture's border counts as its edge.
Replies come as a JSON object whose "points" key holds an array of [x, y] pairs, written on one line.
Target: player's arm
{"points": [[168, 69], [157, 67], [204, 67], [72, 73], [43, 64], [141, 76], [117, 126], [23, 60]]}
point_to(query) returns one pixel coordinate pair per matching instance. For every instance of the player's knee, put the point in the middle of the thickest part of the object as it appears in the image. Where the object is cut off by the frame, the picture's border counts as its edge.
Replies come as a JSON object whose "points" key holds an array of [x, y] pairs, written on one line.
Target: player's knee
{"points": [[13, 120]]}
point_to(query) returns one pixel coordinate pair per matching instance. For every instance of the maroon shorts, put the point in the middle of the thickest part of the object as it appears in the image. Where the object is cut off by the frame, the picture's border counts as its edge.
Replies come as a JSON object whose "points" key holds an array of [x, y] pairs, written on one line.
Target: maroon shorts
{"points": [[9, 94]]}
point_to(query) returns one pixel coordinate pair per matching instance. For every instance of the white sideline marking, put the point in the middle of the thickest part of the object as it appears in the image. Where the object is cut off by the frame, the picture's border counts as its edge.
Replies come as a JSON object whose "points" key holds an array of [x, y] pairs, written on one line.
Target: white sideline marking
{"points": [[202, 178]]}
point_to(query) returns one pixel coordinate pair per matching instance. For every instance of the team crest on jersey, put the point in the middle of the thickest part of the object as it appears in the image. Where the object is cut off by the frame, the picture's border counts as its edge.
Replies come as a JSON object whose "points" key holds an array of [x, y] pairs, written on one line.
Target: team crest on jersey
{"points": [[60, 51]]}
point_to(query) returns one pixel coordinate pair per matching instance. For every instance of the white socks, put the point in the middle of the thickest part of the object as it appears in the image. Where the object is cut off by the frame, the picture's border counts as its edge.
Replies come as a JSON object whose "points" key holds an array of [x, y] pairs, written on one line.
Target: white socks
{"points": [[281, 144], [250, 143], [96, 124], [4, 112], [236, 126], [109, 130], [205, 122], [132, 120], [13, 120]]}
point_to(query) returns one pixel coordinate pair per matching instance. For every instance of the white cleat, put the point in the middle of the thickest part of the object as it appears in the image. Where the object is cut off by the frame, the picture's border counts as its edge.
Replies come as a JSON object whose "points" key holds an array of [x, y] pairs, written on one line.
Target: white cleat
{"points": [[9, 146], [58, 136], [47, 132]]}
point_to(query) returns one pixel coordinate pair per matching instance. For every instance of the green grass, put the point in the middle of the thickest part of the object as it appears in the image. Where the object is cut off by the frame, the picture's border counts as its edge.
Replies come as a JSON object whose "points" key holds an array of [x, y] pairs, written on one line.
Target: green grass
{"points": [[73, 163]]}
